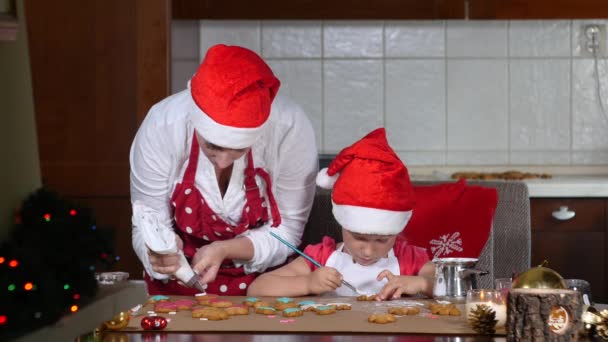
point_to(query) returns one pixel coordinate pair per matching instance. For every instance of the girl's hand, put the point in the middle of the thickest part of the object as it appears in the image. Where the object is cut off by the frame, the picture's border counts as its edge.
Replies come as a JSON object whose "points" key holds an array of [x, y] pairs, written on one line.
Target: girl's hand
{"points": [[166, 263], [323, 280], [399, 285], [207, 261]]}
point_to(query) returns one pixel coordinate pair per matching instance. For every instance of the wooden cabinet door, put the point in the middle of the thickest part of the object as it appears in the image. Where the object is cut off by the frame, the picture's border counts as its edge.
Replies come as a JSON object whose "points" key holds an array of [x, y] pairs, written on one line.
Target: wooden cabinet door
{"points": [[319, 9], [575, 248], [97, 67], [538, 9]]}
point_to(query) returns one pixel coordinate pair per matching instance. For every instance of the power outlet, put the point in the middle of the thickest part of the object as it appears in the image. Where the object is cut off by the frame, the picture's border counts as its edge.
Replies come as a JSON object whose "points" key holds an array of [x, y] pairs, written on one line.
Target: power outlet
{"points": [[592, 39]]}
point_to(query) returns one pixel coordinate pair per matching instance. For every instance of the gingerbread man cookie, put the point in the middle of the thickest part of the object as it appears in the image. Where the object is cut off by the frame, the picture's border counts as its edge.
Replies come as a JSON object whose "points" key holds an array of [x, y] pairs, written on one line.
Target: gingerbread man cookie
{"points": [[382, 318]]}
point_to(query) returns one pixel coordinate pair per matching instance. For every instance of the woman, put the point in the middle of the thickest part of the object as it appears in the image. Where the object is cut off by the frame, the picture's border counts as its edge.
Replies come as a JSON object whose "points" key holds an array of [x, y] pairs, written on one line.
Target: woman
{"points": [[219, 167]]}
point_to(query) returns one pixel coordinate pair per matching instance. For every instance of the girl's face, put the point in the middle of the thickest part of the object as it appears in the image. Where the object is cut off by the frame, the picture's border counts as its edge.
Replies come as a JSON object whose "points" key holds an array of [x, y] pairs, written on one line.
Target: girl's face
{"points": [[219, 156], [366, 249]]}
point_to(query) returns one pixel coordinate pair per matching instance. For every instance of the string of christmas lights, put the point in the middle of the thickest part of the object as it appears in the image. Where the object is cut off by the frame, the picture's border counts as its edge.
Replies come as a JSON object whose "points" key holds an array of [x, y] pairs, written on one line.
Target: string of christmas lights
{"points": [[48, 264]]}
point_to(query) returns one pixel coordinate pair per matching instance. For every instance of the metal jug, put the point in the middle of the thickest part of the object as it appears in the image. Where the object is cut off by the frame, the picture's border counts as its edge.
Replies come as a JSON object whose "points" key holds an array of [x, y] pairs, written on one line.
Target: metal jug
{"points": [[454, 277]]}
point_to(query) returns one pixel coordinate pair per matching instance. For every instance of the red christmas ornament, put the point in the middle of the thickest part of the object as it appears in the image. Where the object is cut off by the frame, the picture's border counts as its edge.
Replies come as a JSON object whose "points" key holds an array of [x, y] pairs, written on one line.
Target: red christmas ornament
{"points": [[154, 323]]}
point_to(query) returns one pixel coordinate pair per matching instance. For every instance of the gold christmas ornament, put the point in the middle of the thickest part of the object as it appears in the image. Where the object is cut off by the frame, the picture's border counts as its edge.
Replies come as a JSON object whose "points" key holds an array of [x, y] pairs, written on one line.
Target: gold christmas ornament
{"points": [[539, 277], [119, 321], [483, 319]]}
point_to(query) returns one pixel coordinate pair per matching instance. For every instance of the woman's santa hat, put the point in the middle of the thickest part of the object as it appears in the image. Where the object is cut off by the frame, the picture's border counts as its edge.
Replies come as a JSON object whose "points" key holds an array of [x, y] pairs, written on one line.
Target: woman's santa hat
{"points": [[232, 92], [372, 192]]}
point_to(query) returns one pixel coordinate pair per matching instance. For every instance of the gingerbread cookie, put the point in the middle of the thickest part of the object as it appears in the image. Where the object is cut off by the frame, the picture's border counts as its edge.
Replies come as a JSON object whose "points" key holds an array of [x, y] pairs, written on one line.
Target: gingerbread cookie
{"points": [[382, 318], [250, 301], [306, 302], [220, 303], [157, 298], [310, 307], [212, 314], [204, 300], [444, 309], [184, 304], [260, 303], [280, 306], [325, 310], [265, 310], [237, 310], [165, 307], [366, 298], [403, 310], [293, 312], [340, 306]]}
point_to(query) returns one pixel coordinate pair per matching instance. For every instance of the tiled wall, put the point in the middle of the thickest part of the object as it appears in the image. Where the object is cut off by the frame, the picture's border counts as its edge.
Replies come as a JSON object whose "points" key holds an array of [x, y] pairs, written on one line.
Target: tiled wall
{"points": [[448, 92]]}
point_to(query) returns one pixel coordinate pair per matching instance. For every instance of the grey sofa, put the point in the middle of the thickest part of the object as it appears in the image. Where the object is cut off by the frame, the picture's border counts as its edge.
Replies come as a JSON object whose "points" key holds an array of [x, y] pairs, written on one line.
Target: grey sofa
{"points": [[507, 249]]}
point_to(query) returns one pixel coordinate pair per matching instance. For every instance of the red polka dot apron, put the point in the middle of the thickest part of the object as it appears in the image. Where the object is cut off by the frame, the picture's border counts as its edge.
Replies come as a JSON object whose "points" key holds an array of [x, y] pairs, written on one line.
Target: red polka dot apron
{"points": [[197, 225]]}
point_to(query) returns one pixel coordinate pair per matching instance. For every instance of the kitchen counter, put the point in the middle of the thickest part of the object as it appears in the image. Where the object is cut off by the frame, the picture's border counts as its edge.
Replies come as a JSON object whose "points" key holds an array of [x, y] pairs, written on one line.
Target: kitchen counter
{"points": [[559, 186], [569, 186]]}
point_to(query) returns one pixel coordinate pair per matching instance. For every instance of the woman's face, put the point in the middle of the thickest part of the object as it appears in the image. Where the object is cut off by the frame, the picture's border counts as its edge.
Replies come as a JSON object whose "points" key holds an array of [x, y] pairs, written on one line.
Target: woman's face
{"points": [[219, 156], [366, 249]]}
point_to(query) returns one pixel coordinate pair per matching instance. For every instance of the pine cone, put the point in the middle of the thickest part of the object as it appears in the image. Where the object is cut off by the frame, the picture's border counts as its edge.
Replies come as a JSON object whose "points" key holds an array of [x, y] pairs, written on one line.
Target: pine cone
{"points": [[483, 319]]}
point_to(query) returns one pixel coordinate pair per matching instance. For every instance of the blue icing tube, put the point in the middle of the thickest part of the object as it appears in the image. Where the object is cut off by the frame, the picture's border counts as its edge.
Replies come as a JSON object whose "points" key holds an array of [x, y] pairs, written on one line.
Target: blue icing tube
{"points": [[159, 297], [307, 302], [251, 299], [284, 300], [290, 310]]}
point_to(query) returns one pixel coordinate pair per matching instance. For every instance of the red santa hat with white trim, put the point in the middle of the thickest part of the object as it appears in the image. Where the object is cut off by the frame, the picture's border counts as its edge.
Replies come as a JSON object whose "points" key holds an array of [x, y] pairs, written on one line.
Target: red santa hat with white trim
{"points": [[232, 92], [372, 192]]}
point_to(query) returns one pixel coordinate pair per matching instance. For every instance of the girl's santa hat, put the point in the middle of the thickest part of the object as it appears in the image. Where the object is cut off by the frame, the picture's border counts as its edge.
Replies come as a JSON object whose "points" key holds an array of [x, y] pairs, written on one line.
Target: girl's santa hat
{"points": [[232, 92], [372, 192]]}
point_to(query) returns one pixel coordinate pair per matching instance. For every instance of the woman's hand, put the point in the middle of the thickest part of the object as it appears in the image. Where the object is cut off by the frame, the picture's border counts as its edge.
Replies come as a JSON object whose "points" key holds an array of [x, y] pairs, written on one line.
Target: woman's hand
{"points": [[399, 285], [207, 261], [166, 263], [323, 280]]}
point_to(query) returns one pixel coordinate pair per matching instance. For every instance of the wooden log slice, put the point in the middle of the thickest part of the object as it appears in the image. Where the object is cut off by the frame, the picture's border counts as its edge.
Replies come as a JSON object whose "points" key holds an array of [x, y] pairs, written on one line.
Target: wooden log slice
{"points": [[543, 315]]}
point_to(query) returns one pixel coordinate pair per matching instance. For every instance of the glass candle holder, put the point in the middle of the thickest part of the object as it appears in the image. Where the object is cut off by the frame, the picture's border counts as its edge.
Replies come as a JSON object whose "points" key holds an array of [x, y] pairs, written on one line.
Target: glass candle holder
{"points": [[503, 285], [492, 298]]}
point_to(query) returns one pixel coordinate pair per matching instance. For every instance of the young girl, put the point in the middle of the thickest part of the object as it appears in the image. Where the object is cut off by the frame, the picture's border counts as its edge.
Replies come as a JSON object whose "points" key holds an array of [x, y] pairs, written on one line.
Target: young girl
{"points": [[372, 200]]}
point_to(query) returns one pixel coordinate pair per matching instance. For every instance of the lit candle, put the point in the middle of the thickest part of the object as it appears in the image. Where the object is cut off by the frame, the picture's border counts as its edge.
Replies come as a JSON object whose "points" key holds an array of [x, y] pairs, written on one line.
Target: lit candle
{"points": [[493, 299]]}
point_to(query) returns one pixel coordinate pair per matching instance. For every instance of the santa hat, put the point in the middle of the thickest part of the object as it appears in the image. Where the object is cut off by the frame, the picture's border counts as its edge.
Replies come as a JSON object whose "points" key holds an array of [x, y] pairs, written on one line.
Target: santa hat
{"points": [[372, 192], [232, 92]]}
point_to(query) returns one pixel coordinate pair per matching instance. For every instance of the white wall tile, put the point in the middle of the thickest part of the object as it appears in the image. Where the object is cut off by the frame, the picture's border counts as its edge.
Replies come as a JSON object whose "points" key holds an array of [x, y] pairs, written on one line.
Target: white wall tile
{"points": [[589, 124], [539, 38], [353, 39], [301, 80], [291, 39], [353, 101], [181, 72], [415, 38], [540, 104], [477, 105], [540, 157], [579, 39], [244, 33], [415, 104], [478, 158], [590, 158], [421, 158], [184, 39], [477, 38]]}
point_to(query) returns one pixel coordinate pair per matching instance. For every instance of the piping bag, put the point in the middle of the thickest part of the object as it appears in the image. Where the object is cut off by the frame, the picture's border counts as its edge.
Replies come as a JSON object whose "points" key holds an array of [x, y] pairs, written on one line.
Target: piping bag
{"points": [[161, 240]]}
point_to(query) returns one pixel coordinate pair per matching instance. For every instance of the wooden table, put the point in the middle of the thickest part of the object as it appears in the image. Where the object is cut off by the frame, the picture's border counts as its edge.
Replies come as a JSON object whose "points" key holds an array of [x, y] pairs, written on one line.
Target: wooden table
{"points": [[350, 325]]}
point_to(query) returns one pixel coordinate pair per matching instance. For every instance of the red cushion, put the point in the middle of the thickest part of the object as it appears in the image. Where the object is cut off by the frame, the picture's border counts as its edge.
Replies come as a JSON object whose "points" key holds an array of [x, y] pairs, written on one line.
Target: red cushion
{"points": [[451, 219]]}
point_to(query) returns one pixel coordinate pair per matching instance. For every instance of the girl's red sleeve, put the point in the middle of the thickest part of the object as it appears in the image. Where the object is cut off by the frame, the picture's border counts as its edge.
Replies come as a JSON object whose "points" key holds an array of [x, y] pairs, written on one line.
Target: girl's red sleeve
{"points": [[320, 252]]}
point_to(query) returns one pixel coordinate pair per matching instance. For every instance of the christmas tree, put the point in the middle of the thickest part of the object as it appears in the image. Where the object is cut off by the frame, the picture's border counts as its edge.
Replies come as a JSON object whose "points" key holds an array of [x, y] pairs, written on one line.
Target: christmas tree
{"points": [[48, 264]]}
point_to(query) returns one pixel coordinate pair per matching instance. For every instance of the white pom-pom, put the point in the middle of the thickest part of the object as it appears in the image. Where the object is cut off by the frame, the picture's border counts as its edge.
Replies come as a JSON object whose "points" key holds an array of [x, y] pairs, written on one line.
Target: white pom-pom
{"points": [[326, 181]]}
